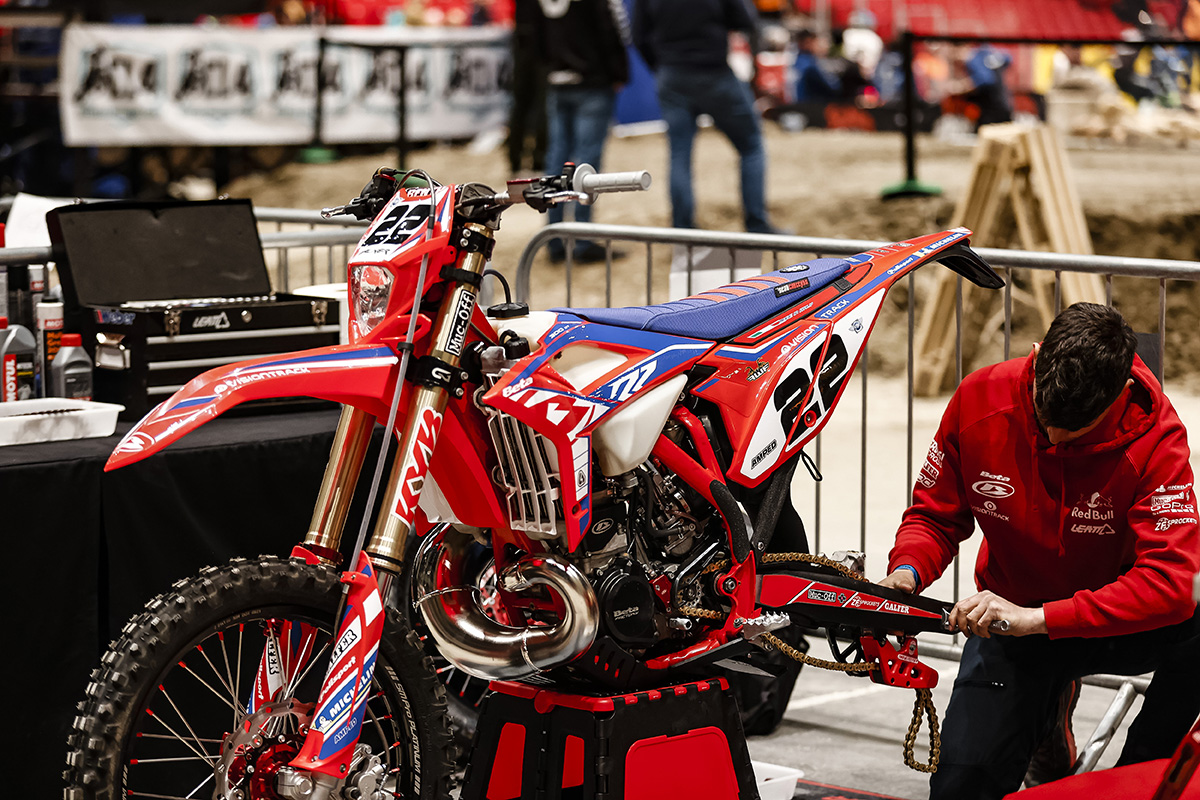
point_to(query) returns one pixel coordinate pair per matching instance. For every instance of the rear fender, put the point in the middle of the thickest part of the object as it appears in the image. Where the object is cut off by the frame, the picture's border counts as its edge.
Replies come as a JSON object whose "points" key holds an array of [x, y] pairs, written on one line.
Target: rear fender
{"points": [[362, 376]]}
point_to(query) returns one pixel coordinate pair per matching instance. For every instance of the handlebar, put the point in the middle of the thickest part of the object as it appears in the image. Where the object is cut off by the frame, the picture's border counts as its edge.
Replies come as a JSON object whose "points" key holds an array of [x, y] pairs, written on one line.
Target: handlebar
{"points": [[591, 183]]}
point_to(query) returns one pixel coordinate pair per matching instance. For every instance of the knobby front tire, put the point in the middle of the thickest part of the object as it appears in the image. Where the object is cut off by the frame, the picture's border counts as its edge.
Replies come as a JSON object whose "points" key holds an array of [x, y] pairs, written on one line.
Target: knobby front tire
{"points": [[179, 676]]}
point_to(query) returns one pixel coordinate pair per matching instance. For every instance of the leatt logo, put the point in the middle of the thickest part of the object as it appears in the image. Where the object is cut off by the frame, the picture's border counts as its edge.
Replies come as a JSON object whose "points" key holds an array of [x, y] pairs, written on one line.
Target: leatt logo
{"points": [[218, 322]]}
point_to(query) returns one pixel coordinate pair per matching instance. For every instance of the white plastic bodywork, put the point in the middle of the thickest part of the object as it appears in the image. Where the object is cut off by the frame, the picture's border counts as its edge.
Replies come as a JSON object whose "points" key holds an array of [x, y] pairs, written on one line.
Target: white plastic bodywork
{"points": [[584, 364], [533, 326], [626, 438]]}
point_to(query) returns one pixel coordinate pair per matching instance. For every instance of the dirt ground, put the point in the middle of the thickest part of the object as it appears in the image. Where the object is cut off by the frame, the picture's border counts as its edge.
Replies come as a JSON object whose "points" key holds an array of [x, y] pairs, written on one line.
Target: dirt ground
{"points": [[1138, 202]]}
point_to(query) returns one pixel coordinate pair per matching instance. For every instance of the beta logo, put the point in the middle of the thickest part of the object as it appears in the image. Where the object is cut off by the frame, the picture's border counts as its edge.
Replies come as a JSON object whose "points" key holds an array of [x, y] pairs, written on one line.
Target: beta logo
{"points": [[993, 485]]}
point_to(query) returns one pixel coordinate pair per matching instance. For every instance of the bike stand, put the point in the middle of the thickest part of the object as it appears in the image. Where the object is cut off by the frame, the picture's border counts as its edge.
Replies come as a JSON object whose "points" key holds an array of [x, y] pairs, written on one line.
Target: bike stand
{"points": [[675, 743]]}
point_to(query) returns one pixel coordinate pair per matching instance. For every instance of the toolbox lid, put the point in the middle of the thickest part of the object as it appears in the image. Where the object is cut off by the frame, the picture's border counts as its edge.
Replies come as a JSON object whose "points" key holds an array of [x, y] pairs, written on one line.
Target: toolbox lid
{"points": [[115, 252]]}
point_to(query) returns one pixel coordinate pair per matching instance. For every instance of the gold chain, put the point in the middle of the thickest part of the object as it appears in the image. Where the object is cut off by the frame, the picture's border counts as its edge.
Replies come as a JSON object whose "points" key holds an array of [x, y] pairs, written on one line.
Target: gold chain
{"points": [[804, 658], [924, 702], [783, 558]]}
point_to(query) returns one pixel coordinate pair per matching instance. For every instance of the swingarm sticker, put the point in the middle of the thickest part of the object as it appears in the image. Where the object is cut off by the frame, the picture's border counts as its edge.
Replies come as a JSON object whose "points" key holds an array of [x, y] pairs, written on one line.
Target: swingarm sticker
{"points": [[783, 590]]}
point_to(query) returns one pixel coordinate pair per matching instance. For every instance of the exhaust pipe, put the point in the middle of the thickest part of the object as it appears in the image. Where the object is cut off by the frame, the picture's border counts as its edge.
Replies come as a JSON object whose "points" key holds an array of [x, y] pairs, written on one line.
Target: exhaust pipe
{"points": [[448, 599]]}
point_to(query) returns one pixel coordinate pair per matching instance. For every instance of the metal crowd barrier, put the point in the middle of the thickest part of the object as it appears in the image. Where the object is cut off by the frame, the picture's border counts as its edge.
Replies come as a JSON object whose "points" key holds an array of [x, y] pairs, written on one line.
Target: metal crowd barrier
{"points": [[1127, 688]]}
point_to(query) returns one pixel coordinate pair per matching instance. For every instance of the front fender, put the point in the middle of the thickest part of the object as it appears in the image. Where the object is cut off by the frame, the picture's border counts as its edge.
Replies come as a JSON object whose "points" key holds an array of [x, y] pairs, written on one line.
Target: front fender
{"points": [[358, 375]]}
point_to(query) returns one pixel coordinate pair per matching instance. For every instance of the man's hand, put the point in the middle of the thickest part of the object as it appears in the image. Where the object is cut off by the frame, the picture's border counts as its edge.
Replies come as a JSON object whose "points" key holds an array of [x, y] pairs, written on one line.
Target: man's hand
{"points": [[901, 580], [974, 615]]}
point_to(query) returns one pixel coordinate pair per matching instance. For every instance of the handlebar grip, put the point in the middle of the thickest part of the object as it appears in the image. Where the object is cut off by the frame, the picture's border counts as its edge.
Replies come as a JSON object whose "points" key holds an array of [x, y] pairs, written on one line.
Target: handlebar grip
{"points": [[616, 182], [592, 183]]}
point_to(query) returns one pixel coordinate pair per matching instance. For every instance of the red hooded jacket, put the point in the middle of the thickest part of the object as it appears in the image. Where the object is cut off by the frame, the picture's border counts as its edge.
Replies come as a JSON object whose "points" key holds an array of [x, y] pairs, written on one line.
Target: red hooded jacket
{"points": [[1101, 532]]}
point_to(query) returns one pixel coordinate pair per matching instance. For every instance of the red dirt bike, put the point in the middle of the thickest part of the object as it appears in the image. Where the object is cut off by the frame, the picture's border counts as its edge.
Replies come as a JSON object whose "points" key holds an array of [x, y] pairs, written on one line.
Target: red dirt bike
{"points": [[584, 494]]}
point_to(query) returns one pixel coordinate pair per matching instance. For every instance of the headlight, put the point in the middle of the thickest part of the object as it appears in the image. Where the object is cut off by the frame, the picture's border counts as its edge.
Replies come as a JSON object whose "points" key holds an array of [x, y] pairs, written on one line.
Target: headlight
{"points": [[370, 288]]}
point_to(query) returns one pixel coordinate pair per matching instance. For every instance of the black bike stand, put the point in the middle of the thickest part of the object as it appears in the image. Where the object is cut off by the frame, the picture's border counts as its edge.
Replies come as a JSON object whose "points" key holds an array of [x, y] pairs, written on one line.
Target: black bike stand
{"points": [[675, 743]]}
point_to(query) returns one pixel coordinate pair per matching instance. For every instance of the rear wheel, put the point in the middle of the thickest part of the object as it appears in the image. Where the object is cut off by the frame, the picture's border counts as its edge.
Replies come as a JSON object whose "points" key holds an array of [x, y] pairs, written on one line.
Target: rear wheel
{"points": [[177, 682]]}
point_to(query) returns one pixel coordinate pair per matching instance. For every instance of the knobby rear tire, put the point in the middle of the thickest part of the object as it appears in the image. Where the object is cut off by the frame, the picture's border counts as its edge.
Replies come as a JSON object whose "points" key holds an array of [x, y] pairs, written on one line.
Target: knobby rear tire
{"points": [[153, 644]]}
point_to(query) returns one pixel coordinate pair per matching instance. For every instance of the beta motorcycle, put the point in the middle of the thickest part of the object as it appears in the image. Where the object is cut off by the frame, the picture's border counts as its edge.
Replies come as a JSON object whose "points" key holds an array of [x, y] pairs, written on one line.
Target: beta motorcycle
{"points": [[585, 495]]}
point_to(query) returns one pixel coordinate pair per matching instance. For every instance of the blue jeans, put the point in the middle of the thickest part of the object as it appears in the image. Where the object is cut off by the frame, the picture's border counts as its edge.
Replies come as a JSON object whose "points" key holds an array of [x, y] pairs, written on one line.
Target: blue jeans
{"points": [[1008, 687], [683, 95], [577, 120]]}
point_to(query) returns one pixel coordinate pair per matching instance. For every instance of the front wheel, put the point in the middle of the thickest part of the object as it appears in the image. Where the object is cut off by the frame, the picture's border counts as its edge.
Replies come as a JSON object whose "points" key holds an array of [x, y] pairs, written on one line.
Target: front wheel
{"points": [[176, 685]]}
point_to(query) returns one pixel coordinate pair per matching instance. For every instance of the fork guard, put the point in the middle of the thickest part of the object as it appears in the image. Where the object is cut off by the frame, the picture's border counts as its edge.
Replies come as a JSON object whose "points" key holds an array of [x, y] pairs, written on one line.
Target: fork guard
{"points": [[813, 598]]}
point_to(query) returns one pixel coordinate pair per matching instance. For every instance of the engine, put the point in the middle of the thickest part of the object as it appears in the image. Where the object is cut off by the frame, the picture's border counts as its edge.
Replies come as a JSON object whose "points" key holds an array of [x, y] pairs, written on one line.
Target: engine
{"points": [[650, 538]]}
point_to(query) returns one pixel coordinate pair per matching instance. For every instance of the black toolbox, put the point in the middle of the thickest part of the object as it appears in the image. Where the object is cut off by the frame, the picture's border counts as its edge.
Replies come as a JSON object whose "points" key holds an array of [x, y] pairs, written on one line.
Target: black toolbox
{"points": [[163, 291]]}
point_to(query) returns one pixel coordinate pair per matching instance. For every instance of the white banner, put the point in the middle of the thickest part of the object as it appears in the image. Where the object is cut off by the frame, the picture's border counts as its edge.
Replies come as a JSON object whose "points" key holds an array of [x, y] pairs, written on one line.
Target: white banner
{"points": [[183, 85]]}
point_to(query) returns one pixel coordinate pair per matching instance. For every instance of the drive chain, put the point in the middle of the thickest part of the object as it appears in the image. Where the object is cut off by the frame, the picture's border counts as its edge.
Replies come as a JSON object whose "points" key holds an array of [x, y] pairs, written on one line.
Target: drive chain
{"points": [[924, 701], [924, 704]]}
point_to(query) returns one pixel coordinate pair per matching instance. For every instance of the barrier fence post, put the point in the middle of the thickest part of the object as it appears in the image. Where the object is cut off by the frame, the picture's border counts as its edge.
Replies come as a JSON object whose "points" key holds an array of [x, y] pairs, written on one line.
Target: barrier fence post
{"points": [[910, 186]]}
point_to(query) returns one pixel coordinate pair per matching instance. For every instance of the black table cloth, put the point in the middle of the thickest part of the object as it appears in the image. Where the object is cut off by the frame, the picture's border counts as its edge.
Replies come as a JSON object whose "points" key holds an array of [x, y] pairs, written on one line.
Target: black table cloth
{"points": [[84, 550]]}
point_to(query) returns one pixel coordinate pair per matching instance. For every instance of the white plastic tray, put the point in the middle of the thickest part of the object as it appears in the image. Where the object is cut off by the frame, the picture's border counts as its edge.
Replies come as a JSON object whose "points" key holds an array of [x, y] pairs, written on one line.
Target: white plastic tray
{"points": [[775, 782], [52, 419]]}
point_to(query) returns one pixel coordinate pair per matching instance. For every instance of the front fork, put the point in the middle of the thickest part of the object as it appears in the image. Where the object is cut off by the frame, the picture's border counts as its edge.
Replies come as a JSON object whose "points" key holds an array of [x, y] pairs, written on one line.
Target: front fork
{"points": [[330, 742], [422, 421]]}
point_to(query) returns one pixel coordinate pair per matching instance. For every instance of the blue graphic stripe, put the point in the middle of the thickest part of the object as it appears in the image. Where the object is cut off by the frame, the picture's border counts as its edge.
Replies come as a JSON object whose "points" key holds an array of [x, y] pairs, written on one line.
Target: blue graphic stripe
{"points": [[195, 401], [597, 334]]}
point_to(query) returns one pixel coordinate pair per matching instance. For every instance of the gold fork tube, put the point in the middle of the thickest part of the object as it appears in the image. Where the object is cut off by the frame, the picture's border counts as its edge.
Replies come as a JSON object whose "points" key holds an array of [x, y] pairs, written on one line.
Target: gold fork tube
{"points": [[346, 455], [422, 422]]}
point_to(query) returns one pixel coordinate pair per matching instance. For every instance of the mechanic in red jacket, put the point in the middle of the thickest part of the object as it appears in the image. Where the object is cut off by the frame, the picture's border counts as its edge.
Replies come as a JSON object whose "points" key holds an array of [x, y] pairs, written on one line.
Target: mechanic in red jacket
{"points": [[1075, 466]]}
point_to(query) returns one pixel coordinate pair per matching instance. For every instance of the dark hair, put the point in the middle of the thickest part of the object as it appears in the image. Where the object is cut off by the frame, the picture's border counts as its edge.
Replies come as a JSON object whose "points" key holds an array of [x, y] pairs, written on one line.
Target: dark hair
{"points": [[1082, 366]]}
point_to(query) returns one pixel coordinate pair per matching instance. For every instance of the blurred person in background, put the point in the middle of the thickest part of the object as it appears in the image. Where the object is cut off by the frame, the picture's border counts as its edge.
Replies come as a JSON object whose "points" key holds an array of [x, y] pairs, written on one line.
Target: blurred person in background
{"points": [[686, 44], [815, 82], [861, 45], [581, 45], [527, 117], [980, 79]]}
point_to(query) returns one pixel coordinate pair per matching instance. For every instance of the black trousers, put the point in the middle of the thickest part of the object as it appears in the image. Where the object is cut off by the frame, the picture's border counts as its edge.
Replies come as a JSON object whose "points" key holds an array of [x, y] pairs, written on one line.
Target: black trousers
{"points": [[1008, 687]]}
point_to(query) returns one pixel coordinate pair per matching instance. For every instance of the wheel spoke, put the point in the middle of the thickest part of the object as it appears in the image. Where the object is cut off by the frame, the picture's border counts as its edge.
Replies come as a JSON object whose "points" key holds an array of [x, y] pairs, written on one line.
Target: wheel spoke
{"points": [[200, 785], [236, 708], [221, 678], [159, 796], [164, 760], [237, 684], [228, 671], [182, 718], [291, 689], [182, 740], [161, 736]]}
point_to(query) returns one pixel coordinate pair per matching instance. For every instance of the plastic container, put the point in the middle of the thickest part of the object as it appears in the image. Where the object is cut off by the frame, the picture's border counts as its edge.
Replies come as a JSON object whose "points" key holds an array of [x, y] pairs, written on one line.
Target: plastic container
{"points": [[49, 340], [18, 356], [52, 419], [71, 370], [775, 782]]}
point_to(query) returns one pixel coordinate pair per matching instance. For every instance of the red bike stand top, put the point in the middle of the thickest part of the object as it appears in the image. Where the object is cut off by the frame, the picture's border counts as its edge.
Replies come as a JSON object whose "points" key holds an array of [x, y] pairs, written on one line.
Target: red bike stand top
{"points": [[680, 742]]}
